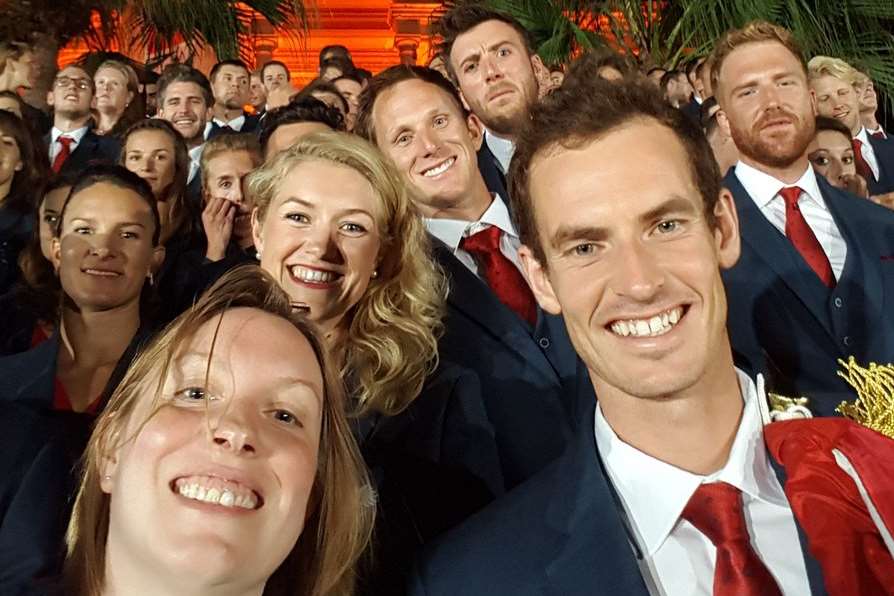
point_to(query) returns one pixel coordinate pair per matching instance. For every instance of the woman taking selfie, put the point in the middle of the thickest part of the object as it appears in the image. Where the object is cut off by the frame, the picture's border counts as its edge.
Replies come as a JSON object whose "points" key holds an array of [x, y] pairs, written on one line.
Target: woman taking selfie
{"points": [[223, 463]]}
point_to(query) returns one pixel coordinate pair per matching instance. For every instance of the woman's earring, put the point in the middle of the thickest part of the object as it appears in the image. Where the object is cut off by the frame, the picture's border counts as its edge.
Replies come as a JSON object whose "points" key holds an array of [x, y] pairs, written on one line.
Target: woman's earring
{"points": [[107, 477], [375, 274], [258, 255], [151, 279]]}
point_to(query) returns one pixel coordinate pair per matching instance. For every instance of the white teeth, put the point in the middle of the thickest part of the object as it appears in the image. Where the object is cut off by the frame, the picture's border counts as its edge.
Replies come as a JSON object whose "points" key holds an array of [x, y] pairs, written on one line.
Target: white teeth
{"points": [[224, 497], [657, 325], [440, 169], [312, 275]]}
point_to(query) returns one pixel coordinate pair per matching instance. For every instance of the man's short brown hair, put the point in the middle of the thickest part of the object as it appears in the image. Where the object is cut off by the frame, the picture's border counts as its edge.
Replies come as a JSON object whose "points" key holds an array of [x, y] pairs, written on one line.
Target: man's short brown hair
{"points": [[571, 118], [466, 16], [388, 78], [230, 143], [753, 32]]}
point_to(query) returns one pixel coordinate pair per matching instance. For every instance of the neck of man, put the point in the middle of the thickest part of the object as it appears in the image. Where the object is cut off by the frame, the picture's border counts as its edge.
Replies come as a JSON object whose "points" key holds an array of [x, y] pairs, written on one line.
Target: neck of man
{"points": [[869, 120], [68, 122], [196, 140], [129, 575], [692, 430], [469, 207], [97, 337], [224, 113], [786, 174]]}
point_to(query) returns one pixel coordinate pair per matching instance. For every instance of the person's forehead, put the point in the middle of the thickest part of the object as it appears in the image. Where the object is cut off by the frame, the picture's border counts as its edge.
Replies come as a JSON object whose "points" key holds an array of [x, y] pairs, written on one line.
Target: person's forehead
{"points": [[830, 81], [73, 72], [424, 94], [347, 86], [831, 138], [484, 34], [184, 88], [232, 69], [116, 201], [275, 70], [150, 139], [229, 161], [109, 72]]}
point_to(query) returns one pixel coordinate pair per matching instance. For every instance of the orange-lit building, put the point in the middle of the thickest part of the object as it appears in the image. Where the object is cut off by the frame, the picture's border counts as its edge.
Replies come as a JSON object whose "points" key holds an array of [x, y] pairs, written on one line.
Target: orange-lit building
{"points": [[379, 33]]}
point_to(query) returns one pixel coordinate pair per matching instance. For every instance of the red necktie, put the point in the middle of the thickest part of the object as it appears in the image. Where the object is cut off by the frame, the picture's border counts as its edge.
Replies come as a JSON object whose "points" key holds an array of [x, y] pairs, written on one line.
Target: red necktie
{"points": [[63, 153], [501, 274], [803, 238], [716, 510], [862, 167], [879, 134]]}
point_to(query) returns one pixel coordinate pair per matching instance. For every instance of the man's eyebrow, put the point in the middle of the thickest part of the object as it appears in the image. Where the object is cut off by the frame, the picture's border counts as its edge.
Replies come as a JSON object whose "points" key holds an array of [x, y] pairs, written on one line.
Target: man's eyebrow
{"points": [[674, 204], [567, 232]]}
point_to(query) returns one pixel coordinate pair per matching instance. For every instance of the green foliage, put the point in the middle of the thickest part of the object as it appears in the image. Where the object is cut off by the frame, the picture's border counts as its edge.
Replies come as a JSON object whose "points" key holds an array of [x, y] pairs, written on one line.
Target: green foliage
{"points": [[669, 32], [156, 26]]}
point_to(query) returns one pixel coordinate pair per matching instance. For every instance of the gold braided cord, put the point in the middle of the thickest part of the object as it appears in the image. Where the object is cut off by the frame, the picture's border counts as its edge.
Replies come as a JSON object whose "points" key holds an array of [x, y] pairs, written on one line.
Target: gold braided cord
{"points": [[874, 406]]}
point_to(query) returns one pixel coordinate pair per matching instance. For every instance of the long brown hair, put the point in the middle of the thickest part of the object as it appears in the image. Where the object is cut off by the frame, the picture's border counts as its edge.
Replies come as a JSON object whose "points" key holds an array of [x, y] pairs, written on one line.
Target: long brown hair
{"points": [[341, 509]]}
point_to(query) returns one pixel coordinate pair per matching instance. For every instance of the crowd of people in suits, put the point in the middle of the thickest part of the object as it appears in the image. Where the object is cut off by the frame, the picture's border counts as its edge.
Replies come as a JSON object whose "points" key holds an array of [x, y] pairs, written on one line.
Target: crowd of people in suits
{"points": [[481, 327]]}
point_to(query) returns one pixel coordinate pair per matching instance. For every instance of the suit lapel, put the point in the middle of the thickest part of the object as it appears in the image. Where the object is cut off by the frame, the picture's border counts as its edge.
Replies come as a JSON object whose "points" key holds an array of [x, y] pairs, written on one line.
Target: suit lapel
{"points": [[814, 571], [595, 551], [884, 154], [473, 298], [778, 253]]}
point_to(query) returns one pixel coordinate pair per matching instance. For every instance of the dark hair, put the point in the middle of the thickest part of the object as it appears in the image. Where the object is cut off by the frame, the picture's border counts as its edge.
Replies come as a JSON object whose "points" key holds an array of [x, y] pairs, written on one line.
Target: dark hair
{"points": [[655, 69], [275, 63], [826, 123], [587, 65], [216, 68], [25, 187], [463, 17], [669, 76], [572, 118], [343, 65], [309, 109], [388, 78], [321, 86], [362, 74], [694, 65], [351, 76], [181, 73], [337, 51], [182, 218], [117, 176]]}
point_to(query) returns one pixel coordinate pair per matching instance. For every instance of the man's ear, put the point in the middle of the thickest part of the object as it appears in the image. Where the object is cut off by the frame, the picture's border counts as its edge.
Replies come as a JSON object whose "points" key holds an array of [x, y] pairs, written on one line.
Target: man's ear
{"points": [[727, 241], [813, 103], [723, 123], [50, 98], [541, 73], [256, 231], [158, 258], [463, 98], [538, 280], [476, 130]]}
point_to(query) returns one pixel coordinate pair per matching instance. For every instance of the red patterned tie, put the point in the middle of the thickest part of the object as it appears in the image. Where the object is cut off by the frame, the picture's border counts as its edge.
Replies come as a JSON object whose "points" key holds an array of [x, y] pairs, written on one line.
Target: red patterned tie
{"points": [[501, 274], [862, 167], [63, 153], [803, 238], [716, 510]]}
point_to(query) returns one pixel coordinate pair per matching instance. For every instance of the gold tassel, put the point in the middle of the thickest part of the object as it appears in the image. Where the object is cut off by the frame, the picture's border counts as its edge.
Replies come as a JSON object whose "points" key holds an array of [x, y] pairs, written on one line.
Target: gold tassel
{"points": [[874, 406]]}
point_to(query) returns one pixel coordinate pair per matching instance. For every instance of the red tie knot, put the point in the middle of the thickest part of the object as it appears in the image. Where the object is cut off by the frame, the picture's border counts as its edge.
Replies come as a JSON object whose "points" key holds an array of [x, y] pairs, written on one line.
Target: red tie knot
{"points": [[65, 141], [485, 241], [716, 510], [790, 195]]}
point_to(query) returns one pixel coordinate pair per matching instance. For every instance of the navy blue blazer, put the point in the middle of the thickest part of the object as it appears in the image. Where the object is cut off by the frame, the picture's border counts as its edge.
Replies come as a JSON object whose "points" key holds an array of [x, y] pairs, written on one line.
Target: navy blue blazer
{"points": [[492, 173], [563, 533], [92, 148], [884, 155], [528, 376], [783, 322]]}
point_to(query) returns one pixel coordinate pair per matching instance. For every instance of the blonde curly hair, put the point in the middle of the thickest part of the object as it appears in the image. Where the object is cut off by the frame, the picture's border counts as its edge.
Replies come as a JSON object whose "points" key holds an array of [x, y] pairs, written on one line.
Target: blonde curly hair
{"points": [[392, 332]]}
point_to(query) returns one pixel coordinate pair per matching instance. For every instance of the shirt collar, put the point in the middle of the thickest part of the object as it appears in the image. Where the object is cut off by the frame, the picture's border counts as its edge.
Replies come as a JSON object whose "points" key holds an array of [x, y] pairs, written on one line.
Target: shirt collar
{"points": [[763, 188], [863, 136], [639, 477], [452, 231], [503, 149], [77, 134], [195, 154]]}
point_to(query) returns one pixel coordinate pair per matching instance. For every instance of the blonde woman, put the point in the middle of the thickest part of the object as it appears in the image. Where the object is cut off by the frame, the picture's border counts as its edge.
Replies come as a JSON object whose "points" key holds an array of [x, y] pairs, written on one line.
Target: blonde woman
{"points": [[223, 463], [334, 224]]}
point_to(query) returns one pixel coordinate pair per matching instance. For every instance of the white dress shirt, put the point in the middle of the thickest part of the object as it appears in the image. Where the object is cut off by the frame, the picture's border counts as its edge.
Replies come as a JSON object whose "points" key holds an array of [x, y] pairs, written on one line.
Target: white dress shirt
{"points": [[503, 149], [764, 191], [236, 124], [195, 161], [678, 559], [868, 152], [452, 231], [56, 147]]}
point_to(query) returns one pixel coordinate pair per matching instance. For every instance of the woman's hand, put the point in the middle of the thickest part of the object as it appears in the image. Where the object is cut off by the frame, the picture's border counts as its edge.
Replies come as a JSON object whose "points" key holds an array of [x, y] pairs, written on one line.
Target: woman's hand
{"points": [[217, 219]]}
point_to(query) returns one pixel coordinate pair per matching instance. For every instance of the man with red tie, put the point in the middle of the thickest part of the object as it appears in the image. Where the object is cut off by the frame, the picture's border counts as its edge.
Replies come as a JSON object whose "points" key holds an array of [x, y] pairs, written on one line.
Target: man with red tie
{"points": [[674, 485], [72, 144], [836, 86], [522, 357], [816, 271]]}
